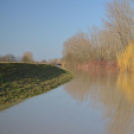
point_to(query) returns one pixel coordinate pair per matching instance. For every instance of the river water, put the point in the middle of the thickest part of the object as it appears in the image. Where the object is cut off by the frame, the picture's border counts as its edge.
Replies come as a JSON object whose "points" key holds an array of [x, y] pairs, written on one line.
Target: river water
{"points": [[92, 103]]}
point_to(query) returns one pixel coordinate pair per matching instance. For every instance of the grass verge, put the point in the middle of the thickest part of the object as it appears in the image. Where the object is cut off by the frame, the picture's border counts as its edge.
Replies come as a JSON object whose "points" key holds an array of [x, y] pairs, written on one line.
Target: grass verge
{"points": [[19, 81]]}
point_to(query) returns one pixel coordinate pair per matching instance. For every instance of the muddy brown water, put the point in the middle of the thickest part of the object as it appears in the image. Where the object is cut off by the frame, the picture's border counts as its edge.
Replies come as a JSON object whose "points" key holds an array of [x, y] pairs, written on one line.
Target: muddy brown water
{"points": [[92, 103]]}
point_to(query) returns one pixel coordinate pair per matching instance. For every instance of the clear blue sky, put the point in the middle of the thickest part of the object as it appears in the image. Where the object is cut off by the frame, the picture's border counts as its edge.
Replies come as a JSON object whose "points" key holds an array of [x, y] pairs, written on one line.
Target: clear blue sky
{"points": [[41, 26]]}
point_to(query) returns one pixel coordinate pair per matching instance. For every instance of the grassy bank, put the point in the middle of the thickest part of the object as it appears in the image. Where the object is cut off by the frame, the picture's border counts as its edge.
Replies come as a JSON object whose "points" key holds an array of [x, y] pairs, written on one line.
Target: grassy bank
{"points": [[19, 81]]}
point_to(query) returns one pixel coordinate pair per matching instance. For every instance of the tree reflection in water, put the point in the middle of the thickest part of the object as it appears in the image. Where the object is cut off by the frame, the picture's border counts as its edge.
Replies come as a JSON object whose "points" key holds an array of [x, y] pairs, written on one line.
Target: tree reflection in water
{"points": [[114, 92]]}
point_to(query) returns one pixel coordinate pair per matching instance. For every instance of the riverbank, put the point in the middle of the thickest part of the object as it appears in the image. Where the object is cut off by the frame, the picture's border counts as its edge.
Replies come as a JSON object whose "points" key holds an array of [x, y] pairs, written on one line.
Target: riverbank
{"points": [[19, 81], [98, 65]]}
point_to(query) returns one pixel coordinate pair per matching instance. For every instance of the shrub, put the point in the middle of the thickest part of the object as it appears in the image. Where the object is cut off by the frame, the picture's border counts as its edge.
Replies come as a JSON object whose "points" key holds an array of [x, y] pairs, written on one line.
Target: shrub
{"points": [[126, 58]]}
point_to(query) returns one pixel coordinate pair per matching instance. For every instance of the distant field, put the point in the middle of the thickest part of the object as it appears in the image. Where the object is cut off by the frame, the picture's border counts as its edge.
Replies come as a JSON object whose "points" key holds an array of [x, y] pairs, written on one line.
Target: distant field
{"points": [[19, 81]]}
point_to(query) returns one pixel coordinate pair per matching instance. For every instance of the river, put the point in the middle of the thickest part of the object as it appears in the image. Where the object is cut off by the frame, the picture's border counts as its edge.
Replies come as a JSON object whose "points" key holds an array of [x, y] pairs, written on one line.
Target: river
{"points": [[92, 103]]}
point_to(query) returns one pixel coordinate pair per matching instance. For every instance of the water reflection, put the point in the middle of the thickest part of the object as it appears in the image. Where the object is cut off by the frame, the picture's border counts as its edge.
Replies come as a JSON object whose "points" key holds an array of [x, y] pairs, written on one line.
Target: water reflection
{"points": [[126, 84], [114, 92]]}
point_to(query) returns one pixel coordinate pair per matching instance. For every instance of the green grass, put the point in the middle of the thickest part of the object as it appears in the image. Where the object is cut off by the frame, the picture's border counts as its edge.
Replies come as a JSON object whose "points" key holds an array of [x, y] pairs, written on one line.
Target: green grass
{"points": [[19, 81]]}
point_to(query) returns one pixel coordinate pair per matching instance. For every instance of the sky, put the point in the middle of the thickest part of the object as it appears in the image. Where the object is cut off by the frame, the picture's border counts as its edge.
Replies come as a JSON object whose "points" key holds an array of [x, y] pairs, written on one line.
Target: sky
{"points": [[42, 26]]}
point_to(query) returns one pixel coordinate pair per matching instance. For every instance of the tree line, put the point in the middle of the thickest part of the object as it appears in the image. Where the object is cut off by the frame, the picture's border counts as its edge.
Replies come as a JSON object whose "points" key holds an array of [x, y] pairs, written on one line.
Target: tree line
{"points": [[27, 57], [104, 43]]}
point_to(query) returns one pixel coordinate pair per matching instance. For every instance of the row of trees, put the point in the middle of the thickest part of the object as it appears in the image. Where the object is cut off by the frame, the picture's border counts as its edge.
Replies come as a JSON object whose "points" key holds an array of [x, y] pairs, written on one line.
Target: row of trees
{"points": [[103, 43], [27, 58]]}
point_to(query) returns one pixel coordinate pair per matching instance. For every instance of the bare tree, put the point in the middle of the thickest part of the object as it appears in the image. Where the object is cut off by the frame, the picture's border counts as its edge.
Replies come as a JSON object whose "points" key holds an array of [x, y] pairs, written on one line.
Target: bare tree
{"points": [[77, 48], [27, 57], [120, 20], [8, 58], [44, 61]]}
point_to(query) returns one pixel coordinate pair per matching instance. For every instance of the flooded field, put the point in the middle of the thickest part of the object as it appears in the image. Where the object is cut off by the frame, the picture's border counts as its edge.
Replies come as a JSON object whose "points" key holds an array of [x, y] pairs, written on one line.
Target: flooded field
{"points": [[92, 103]]}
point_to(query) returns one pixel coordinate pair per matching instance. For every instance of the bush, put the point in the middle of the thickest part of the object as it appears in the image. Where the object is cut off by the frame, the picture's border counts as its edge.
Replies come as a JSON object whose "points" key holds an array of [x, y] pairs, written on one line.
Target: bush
{"points": [[126, 58]]}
